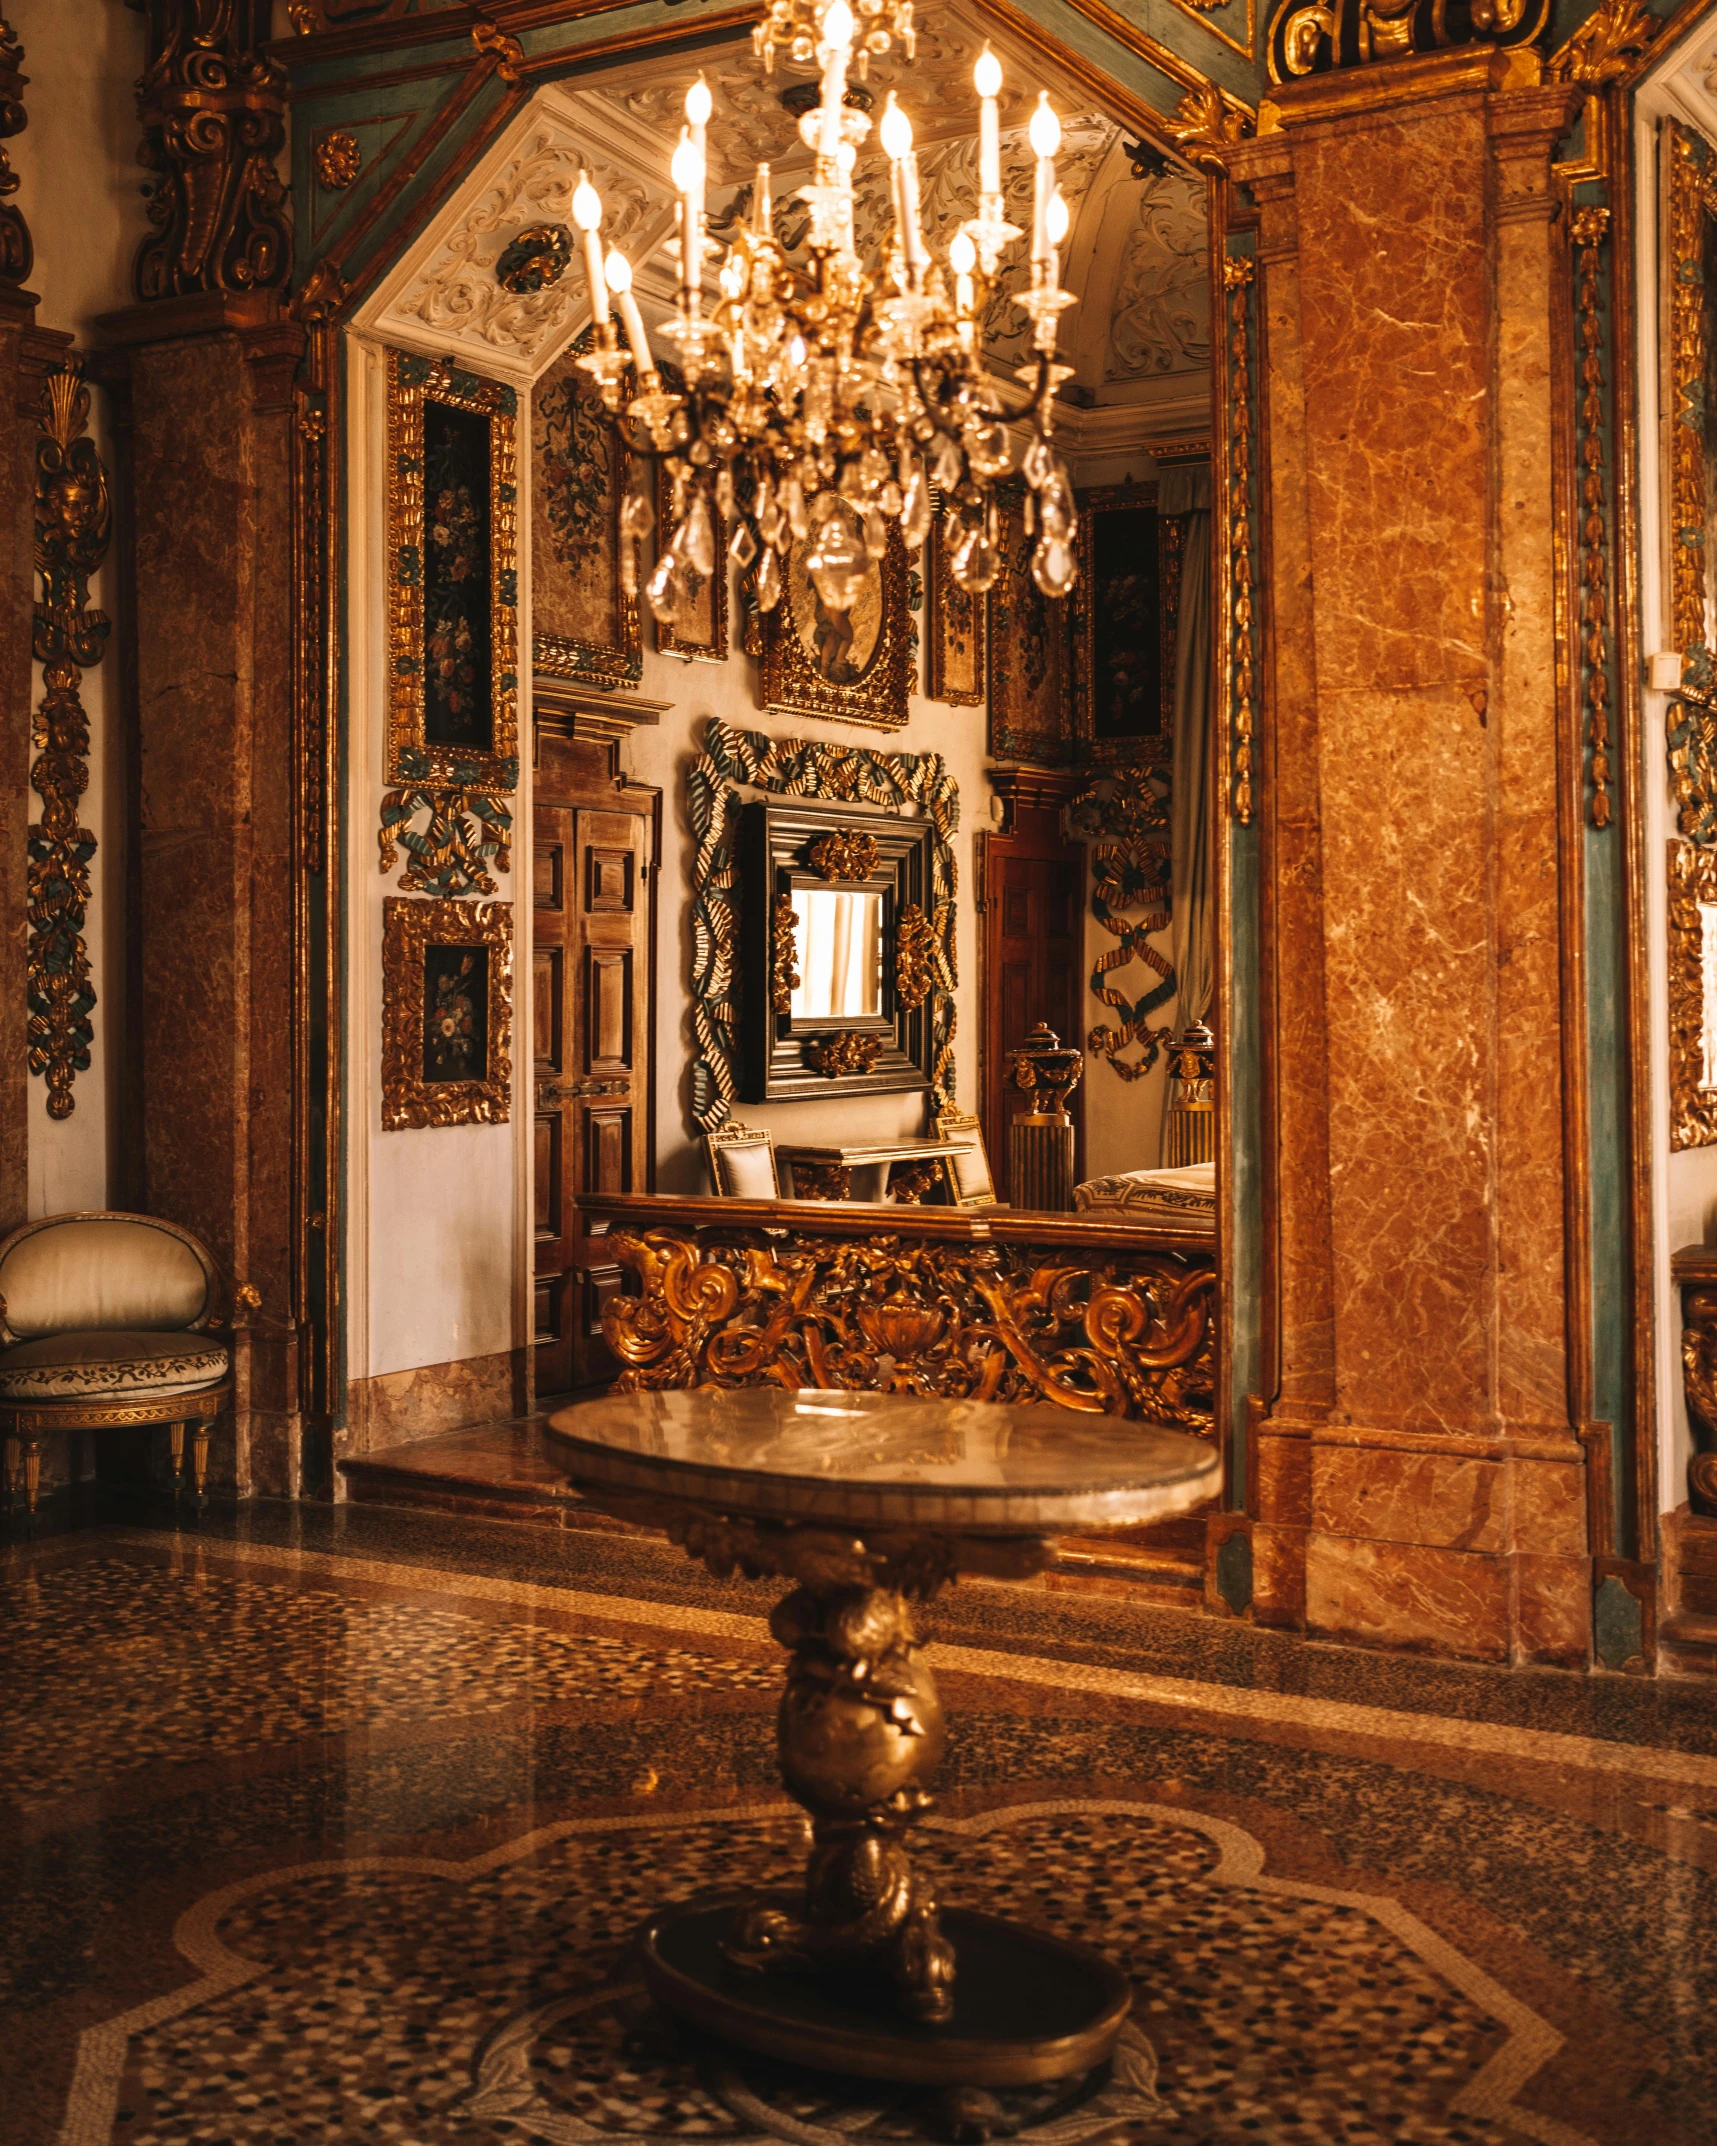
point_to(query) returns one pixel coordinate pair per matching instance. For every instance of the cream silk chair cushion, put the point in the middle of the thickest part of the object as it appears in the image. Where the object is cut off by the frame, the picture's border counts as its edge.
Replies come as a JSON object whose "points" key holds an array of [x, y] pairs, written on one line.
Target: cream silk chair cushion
{"points": [[109, 1366], [103, 1272], [1178, 1199]]}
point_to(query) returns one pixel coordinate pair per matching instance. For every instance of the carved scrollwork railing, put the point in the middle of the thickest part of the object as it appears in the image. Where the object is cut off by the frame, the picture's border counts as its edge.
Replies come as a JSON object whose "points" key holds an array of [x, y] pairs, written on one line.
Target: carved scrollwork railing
{"points": [[1108, 1329]]}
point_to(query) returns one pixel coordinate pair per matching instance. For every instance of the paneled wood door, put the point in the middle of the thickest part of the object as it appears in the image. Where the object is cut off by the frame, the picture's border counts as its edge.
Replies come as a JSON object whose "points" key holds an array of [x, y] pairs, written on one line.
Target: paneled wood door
{"points": [[1033, 965], [592, 870]]}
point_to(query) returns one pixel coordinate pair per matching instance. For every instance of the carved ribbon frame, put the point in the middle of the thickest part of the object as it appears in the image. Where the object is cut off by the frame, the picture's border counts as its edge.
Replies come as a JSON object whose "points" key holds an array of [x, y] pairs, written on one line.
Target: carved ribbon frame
{"points": [[1126, 1333]]}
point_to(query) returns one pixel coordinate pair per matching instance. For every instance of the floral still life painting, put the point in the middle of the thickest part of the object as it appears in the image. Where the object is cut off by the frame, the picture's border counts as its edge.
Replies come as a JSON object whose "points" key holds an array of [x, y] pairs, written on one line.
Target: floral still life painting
{"points": [[456, 707]]}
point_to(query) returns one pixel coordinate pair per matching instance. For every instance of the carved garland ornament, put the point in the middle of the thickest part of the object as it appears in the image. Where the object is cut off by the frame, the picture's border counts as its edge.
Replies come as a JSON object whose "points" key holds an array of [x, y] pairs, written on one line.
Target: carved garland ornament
{"points": [[846, 1051], [1692, 716], [1242, 583], [849, 854], [1692, 890], [213, 109], [800, 767], [73, 523], [1590, 227], [467, 831], [17, 255], [1123, 1335]]}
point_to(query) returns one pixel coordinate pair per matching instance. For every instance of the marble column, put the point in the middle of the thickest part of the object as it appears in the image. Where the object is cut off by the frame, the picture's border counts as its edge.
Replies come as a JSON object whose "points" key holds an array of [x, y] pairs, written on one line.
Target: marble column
{"points": [[209, 381], [1418, 1479]]}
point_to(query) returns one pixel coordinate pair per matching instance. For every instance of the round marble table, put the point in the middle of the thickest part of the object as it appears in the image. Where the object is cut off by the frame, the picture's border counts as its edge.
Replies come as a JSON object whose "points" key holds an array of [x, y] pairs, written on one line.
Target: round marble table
{"points": [[869, 1503]]}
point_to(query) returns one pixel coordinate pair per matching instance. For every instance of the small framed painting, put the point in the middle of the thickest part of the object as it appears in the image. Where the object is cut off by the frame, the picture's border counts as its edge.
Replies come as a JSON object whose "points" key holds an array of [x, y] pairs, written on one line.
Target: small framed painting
{"points": [[1126, 606], [583, 623], [956, 626], [452, 515], [700, 632], [851, 666], [447, 1011]]}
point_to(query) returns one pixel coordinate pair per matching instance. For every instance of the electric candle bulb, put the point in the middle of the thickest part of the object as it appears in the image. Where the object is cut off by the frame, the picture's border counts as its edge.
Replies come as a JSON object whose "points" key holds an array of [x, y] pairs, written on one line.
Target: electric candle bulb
{"points": [[896, 129], [834, 51], [1045, 128], [838, 24], [987, 79], [686, 168], [1058, 219], [618, 271], [1045, 132], [846, 156], [699, 103], [962, 254], [587, 214]]}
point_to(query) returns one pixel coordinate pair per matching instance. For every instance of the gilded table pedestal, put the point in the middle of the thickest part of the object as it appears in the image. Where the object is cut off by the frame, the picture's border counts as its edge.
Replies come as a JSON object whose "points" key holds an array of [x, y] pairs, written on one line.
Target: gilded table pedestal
{"points": [[869, 1503]]}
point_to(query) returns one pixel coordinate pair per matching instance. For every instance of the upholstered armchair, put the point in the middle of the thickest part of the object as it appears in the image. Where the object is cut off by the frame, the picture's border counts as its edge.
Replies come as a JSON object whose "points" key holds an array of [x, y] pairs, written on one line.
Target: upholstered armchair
{"points": [[104, 1322]]}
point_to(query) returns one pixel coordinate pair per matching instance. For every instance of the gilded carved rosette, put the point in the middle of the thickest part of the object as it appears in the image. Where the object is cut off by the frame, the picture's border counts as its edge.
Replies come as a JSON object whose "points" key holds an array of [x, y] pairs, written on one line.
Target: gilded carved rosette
{"points": [[1116, 1333], [213, 106], [73, 525]]}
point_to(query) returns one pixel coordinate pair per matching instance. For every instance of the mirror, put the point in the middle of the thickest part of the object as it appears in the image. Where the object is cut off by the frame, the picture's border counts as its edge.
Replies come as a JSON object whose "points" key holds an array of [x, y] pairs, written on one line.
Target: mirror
{"points": [[840, 956], [838, 938]]}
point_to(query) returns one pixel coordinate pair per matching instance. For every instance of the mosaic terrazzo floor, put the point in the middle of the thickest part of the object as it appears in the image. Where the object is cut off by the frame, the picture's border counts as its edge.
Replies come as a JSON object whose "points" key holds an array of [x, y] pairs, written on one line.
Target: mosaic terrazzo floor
{"points": [[346, 1836]]}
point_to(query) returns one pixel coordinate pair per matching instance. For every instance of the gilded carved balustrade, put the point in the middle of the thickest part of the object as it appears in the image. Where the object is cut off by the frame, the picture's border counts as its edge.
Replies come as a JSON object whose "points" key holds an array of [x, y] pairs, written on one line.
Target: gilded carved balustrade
{"points": [[1018, 1308]]}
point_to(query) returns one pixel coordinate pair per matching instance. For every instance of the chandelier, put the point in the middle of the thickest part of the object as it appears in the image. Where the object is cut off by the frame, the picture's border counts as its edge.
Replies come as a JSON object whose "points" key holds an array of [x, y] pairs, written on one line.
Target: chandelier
{"points": [[816, 404]]}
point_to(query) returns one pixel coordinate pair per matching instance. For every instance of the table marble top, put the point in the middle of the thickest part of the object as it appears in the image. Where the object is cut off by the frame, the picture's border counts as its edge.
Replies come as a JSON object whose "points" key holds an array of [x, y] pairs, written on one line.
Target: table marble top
{"points": [[886, 1459]]}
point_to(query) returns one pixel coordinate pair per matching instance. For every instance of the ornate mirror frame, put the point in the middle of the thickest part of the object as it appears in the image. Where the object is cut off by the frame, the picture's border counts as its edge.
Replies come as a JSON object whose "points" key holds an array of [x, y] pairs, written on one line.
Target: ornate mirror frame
{"points": [[866, 785], [790, 1057]]}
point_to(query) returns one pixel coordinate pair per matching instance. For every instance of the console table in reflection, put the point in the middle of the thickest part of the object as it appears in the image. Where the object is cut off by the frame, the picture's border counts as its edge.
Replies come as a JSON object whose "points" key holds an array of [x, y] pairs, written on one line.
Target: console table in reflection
{"points": [[904, 1171]]}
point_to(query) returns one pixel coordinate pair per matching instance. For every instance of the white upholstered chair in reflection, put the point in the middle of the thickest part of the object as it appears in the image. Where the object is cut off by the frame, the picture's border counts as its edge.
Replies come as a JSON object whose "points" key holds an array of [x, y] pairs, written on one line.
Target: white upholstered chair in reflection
{"points": [[742, 1163], [104, 1322]]}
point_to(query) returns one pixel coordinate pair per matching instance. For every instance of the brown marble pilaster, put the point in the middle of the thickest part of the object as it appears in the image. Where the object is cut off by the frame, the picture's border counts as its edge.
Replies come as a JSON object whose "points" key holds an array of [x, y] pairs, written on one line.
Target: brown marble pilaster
{"points": [[210, 397], [1420, 1480]]}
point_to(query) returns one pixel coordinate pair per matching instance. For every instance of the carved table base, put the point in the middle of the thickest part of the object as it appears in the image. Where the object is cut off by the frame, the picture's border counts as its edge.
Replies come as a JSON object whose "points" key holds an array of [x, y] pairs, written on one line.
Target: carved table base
{"points": [[862, 1972]]}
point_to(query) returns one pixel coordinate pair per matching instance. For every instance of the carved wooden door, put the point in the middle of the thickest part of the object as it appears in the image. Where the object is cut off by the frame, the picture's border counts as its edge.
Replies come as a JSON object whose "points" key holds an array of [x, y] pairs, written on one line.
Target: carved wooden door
{"points": [[592, 1048], [1033, 937]]}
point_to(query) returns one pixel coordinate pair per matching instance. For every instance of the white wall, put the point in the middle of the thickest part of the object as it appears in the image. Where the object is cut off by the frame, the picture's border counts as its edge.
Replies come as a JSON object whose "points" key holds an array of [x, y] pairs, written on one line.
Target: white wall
{"points": [[80, 194]]}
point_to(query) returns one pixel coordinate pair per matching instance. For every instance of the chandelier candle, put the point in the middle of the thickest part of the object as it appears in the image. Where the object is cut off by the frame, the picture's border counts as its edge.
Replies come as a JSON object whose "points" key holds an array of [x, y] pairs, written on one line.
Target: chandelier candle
{"points": [[825, 394]]}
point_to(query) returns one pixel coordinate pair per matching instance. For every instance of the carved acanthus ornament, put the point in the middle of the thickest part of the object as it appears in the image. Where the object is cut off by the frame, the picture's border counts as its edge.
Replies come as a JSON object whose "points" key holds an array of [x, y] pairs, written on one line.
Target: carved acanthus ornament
{"points": [[1616, 35], [1315, 38], [467, 831], [846, 1051], [1207, 121], [1237, 273], [17, 255], [783, 954], [213, 110], [73, 523], [1127, 1333], [1692, 890], [848, 854]]}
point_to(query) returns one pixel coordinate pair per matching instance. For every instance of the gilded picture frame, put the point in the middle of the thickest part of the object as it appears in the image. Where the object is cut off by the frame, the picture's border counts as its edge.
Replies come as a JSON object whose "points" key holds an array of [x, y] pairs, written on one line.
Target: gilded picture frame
{"points": [[701, 636], [452, 541], [584, 624], [1126, 612], [847, 667], [1030, 655], [956, 628], [1692, 996], [447, 1013]]}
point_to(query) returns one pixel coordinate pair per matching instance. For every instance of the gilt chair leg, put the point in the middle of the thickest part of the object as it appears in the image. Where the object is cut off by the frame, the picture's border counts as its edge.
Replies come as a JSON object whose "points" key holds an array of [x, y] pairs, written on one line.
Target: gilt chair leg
{"points": [[176, 1446], [200, 1460]]}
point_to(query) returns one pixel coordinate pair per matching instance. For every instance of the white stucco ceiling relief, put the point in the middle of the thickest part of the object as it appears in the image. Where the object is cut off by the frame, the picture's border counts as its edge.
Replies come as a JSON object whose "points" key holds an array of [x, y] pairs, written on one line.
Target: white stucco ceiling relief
{"points": [[1139, 336]]}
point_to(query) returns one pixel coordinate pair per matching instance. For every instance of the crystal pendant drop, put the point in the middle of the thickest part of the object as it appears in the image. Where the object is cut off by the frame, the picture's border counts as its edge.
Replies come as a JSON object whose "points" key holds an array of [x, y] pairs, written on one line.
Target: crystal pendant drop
{"points": [[770, 521], [915, 508], [1055, 511], [743, 548], [793, 504], [1038, 463], [837, 560], [664, 590], [769, 581], [724, 502], [1053, 566], [987, 448], [875, 535], [697, 536], [636, 516], [949, 469], [974, 564]]}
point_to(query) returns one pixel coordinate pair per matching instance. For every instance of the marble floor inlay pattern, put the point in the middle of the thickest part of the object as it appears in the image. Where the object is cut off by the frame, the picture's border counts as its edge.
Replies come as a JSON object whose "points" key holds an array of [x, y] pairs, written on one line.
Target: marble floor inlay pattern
{"points": [[348, 1839]]}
